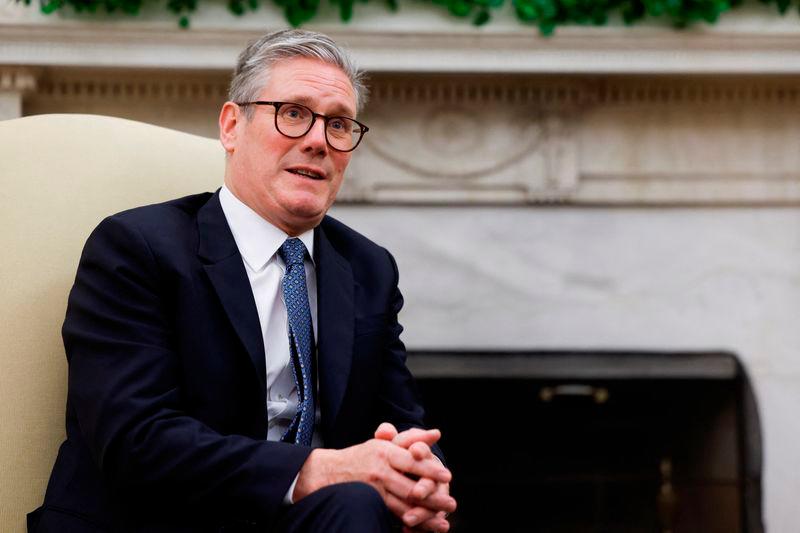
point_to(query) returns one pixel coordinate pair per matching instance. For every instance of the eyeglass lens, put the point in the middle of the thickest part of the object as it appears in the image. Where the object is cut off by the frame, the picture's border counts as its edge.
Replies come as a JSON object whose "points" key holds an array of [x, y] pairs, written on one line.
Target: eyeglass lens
{"points": [[295, 120]]}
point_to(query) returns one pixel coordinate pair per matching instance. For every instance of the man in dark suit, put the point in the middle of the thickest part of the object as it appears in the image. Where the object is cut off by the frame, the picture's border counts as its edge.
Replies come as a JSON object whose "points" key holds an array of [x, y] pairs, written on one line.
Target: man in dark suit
{"points": [[234, 358]]}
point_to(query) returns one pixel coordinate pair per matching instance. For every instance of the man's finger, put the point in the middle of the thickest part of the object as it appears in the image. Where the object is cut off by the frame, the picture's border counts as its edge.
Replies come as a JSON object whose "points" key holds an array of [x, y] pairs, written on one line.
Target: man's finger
{"points": [[417, 515], [420, 450], [397, 506], [402, 461], [440, 525], [432, 522], [410, 436], [424, 488], [424, 519], [400, 486], [439, 501], [385, 431], [439, 522], [434, 503]]}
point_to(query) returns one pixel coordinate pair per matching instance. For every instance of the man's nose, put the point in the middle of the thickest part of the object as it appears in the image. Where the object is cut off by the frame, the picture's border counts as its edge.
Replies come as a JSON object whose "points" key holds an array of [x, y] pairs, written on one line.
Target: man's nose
{"points": [[315, 140]]}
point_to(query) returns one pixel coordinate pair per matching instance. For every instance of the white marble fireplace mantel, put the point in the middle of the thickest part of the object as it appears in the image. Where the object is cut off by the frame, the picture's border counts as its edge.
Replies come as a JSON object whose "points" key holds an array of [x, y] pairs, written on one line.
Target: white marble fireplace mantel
{"points": [[416, 39]]}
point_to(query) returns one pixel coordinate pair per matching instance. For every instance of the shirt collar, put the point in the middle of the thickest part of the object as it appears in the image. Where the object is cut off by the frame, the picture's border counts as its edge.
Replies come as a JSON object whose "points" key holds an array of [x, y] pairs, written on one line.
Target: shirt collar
{"points": [[257, 239]]}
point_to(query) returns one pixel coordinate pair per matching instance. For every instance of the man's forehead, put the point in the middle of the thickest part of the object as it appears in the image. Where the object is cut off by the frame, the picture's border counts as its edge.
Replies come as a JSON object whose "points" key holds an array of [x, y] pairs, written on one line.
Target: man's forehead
{"points": [[311, 82]]}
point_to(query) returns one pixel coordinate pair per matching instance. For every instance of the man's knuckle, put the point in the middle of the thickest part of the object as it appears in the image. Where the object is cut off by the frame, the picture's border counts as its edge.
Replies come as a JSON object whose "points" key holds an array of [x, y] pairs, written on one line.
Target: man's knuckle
{"points": [[374, 477]]}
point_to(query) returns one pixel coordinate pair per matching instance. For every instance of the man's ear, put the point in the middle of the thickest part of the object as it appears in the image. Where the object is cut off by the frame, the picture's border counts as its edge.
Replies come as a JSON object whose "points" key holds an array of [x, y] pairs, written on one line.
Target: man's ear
{"points": [[229, 117]]}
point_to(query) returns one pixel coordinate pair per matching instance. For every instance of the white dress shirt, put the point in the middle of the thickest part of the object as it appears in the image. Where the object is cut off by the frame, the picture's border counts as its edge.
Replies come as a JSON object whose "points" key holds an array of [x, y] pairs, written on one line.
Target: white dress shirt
{"points": [[258, 242]]}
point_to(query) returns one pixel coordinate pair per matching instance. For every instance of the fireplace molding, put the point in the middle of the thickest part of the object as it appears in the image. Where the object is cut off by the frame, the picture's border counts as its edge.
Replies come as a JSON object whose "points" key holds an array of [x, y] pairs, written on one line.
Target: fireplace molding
{"points": [[608, 116], [562, 93], [513, 139], [33, 39], [572, 364]]}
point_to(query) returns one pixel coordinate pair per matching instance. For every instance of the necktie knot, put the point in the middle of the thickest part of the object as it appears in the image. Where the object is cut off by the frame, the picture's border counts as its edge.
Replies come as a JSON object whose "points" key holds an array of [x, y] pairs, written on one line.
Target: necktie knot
{"points": [[292, 251]]}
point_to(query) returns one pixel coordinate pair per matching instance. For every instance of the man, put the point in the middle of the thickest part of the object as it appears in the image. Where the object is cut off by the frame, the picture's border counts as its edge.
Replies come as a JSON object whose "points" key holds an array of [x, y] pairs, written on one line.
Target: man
{"points": [[234, 359]]}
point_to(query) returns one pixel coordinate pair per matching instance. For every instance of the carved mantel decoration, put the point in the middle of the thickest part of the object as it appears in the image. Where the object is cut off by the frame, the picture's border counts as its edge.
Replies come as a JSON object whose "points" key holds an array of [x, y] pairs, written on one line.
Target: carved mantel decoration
{"points": [[613, 116], [15, 83], [17, 79], [468, 140], [509, 139], [580, 140]]}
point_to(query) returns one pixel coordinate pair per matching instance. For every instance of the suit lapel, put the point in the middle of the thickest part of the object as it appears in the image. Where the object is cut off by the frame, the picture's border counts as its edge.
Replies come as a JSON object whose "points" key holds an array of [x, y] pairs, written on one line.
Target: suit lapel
{"points": [[224, 266], [336, 323]]}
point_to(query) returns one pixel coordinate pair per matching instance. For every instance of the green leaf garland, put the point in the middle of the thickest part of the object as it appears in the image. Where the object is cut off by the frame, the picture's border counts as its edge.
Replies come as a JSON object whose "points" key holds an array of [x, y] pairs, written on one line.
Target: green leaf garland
{"points": [[547, 15]]}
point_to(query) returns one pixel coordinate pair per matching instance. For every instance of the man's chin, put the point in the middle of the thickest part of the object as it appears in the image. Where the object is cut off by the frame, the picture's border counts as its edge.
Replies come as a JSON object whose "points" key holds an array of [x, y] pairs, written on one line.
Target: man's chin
{"points": [[304, 218], [304, 210]]}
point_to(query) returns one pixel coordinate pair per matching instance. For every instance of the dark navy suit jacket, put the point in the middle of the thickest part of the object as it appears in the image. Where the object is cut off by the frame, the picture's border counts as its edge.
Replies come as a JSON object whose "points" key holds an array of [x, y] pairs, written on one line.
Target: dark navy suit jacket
{"points": [[166, 407]]}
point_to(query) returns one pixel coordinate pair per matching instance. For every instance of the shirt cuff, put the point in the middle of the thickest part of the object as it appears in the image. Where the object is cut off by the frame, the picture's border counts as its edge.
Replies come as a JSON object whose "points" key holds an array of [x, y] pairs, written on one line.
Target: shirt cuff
{"points": [[287, 499]]}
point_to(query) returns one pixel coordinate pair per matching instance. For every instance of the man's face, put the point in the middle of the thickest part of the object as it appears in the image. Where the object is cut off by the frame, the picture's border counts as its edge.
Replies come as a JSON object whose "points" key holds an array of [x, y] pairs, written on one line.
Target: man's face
{"points": [[265, 169]]}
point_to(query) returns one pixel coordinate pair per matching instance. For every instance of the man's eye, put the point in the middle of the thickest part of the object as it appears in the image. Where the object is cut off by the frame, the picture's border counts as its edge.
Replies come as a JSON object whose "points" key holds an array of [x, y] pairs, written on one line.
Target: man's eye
{"points": [[337, 124], [295, 112]]}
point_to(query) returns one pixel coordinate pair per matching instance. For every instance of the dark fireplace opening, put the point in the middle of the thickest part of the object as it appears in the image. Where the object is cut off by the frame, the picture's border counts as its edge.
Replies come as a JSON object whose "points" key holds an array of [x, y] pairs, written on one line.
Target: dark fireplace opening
{"points": [[596, 441]]}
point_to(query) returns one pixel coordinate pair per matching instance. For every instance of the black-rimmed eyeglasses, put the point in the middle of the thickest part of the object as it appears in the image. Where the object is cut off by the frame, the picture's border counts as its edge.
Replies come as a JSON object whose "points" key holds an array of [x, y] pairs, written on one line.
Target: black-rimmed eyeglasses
{"points": [[295, 120]]}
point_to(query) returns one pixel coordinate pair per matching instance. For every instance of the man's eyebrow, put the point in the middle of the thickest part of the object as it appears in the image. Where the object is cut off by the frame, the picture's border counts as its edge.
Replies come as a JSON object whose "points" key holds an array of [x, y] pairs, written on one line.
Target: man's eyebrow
{"points": [[337, 111]]}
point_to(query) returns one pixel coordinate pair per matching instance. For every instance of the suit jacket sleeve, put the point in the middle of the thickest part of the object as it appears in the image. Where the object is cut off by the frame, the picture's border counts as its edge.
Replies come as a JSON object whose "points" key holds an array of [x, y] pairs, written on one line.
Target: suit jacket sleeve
{"points": [[125, 389]]}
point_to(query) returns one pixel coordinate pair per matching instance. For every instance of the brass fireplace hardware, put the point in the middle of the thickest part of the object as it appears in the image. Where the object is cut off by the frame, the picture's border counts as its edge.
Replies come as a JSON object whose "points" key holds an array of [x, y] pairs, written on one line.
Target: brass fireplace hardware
{"points": [[598, 394], [667, 499]]}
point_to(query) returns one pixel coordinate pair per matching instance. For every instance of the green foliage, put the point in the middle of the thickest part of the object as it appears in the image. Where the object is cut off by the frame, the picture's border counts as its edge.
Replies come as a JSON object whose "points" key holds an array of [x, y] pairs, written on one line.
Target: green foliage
{"points": [[545, 14]]}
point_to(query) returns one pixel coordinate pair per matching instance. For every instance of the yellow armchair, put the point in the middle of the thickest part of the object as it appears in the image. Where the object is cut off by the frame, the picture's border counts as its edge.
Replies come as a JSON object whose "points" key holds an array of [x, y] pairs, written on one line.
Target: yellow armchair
{"points": [[61, 175]]}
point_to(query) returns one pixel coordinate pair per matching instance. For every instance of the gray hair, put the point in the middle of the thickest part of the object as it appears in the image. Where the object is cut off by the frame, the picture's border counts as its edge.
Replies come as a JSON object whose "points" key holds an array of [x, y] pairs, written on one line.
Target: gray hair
{"points": [[255, 61]]}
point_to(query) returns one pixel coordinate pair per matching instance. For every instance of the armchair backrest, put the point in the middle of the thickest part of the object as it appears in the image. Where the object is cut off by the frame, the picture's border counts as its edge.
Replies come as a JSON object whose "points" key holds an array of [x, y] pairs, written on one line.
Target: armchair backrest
{"points": [[59, 176]]}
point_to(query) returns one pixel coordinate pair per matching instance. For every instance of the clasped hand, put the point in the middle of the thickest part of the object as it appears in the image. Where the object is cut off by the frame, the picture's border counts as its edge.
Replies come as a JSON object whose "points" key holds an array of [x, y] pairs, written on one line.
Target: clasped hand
{"points": [[429, 501], [412, 481]]}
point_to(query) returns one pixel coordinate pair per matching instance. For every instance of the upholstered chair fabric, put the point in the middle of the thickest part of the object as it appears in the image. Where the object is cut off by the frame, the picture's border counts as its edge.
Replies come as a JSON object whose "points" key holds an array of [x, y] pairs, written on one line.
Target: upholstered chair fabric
{"points": [[61, 175]]}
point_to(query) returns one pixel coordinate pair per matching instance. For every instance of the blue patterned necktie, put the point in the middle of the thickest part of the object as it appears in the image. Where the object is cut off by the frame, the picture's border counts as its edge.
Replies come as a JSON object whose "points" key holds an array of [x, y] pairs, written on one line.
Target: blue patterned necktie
{"points": [[301, 340]]}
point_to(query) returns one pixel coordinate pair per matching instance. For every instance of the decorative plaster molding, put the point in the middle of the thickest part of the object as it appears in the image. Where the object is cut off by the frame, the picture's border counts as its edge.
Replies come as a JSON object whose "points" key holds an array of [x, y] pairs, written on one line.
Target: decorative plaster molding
{"points": [[691, 141], [467, 139], [751, 189], [127, 87], [17, 80], [457, 138], [695, 90], [561, 158], [546, 92], [538, 165], [143, 44], [446, 154], [15, 84]]}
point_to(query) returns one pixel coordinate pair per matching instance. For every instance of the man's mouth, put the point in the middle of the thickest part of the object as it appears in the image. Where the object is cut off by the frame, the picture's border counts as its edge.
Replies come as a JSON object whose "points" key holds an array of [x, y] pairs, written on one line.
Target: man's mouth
{"points": [[306, 173]]}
